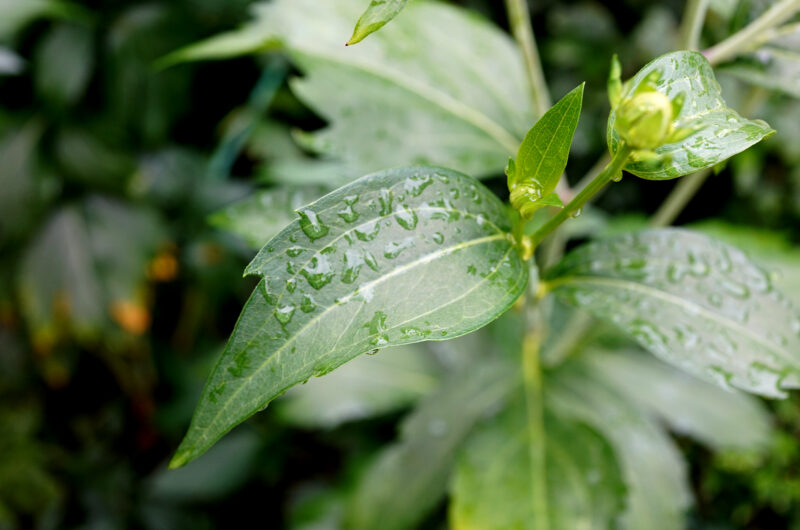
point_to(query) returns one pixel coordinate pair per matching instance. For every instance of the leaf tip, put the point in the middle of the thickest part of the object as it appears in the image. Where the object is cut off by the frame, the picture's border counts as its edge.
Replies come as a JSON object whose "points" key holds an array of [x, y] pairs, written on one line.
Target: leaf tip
{"points": [[180, 459]]}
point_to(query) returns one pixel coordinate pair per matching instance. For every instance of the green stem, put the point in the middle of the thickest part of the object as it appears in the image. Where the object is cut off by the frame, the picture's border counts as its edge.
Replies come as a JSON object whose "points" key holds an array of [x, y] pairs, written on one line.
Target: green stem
{"points": [[744, 40], [677, 200], [692, 24], [597, 183], [532, 379], [520, 22]]}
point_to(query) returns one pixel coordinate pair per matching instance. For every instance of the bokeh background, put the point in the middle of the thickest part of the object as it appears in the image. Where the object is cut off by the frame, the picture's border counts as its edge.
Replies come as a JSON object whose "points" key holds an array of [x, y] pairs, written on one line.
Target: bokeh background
{"points": [[117, 290]]}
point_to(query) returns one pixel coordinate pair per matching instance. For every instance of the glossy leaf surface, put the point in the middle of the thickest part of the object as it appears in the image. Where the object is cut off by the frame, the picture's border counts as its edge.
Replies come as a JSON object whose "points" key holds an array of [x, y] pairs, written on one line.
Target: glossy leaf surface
{"points": [[412, 93], [696, 303], [410, 477], [494, 484], [720, 131], [377, 15], [338, 282]]}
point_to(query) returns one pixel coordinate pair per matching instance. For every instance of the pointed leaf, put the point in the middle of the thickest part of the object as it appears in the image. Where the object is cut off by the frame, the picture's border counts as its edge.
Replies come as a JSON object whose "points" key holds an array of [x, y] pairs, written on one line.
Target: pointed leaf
{"points": [[410, 477], [721, 131], [335, 284], [697, 303], [377, 15], [493, 486]]}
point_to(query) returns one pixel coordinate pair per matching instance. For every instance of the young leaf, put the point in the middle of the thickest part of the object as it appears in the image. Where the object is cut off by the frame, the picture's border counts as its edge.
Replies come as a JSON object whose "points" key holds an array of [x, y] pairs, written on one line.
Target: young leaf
{"points": [[377, 15], [687, 79], [366, 386], [653, 469], [543, 154], [259, 217], [413, 93], [494, 484], [694, 302], [720, 419], [410, 477], [336, 283]]}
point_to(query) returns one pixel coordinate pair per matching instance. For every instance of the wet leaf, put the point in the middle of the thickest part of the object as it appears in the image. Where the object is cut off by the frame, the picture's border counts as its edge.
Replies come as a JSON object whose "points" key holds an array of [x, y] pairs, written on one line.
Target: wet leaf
{"points": [[653, 470], [411, 93], [377, 15], [259, 217], [494, 482], [365, 387], [409, 478], [335, 283], [720, 131], [695, 302], [543, 154]]}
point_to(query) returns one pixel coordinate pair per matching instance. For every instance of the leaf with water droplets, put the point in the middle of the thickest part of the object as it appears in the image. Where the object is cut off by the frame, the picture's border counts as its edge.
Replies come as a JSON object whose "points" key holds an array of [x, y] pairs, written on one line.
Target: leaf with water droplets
{"points": [[543, 154], [438, 86], [327, 294], [263, 214], [687, 79], [410, 477], [495, 484], [695, 302], [378, 14]]}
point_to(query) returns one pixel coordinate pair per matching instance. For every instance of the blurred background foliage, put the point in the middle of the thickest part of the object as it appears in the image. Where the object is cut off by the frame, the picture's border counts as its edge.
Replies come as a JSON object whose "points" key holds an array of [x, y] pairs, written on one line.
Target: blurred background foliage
{"points": [[118, 289]]}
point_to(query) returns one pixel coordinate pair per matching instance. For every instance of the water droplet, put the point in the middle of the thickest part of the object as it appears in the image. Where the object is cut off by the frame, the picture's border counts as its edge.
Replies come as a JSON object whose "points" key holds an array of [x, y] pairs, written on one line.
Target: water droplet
{"points": [[348, 214], [392, 250], [318, 272], [368, 231], [353, 260], [438, 238], [617, 177], [284, 314], [293, 252], [406, 217], [311, 225], [377, 327], [308, 304], [416, 185], [373, 352], [385, 199], [576, 213], [370, 260], [291, 285]]}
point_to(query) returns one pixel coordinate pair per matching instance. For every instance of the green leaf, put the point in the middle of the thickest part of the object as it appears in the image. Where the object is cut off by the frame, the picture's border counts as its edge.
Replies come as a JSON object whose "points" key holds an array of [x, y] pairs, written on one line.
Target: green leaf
{"points": [[335, 282], [720, 419], [720, 131], [699, 304], [653, 469], [63, 64], [260, 217], [543, 154], [15, 15], [410, 477], [412, 93], [493, 485], [366, 386], [377, 15]]}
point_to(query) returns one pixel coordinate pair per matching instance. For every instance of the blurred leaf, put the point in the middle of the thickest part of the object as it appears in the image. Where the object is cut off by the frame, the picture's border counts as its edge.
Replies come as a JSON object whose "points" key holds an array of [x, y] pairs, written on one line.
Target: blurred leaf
{"points": [[771, 68], [93, 159], [720, 419], [411, 94], [16, 14], [365, 387], [18, 180], [658, 492], [260, 217], [410, 477], [721, 133], [377, 15], [224, 470], [447, 226], [543, 155], [63, 64], [694, 302], [10, 62], [494, 484]]}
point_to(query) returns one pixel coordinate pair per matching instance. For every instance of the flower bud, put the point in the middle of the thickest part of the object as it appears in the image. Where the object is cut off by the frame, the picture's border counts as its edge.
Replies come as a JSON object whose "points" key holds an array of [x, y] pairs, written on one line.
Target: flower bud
{"points": [[644, 121]]}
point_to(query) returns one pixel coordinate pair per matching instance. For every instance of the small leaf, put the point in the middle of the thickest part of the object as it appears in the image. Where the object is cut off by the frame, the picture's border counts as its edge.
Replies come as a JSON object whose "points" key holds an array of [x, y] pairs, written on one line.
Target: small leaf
{"points": [[410, 477], [335, 283], [543, 154], [366, 386], [377, 15], [694, 302], [494, 484], [658, 492], [715, 131], [260, 217]]}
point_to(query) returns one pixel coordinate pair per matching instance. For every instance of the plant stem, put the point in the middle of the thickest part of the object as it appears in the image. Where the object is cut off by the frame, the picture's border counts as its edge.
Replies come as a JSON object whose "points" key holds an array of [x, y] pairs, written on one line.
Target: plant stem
{"points": [[532, 379], [692, 24], [520, 22], [745, 39], [597, 183], [677, 200]]}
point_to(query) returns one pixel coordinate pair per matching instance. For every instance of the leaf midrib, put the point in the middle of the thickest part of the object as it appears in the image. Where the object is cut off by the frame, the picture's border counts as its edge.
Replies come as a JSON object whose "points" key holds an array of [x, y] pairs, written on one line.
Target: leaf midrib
{"points": [[677, 301]]}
